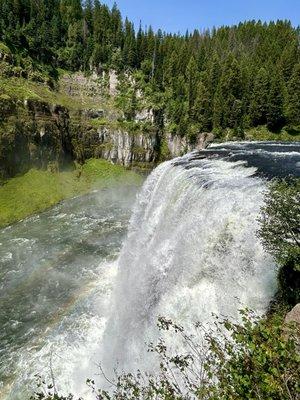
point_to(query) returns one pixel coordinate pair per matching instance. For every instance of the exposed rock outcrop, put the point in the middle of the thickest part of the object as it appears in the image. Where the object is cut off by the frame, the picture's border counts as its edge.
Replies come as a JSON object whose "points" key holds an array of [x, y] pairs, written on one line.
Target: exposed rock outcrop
{"points": [[93, 114], [113, 82], [293, 315], [292, 325], [145, 115], [179, 145], [78, 85], [37, 134], [115, 144], [126, 148]]}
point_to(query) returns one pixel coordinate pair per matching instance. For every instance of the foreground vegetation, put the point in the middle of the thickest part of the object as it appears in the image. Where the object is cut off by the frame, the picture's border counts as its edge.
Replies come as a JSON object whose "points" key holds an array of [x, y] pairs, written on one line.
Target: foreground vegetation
{"points": [[38, 190], [255, 359], [280, 235]]}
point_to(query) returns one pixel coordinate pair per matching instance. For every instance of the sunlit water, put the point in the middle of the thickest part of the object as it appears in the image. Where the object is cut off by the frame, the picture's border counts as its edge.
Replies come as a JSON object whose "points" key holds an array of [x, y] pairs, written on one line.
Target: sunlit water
{"points": [[75, 290]]}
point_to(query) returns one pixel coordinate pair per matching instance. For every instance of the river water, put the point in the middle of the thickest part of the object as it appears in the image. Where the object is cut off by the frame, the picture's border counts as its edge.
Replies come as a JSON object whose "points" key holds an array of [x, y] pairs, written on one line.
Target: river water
{"points": [[85, 281], [56, 274]]}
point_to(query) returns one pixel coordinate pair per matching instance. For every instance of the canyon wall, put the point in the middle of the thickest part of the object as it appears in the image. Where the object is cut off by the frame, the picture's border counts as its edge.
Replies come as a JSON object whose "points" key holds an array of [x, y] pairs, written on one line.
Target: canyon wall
{"points": [[34, 133]]}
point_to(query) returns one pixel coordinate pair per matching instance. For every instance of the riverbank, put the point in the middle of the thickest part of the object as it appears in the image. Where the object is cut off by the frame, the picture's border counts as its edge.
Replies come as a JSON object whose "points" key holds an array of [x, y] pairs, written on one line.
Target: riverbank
{"points": [[37, 190], [262, 133]]}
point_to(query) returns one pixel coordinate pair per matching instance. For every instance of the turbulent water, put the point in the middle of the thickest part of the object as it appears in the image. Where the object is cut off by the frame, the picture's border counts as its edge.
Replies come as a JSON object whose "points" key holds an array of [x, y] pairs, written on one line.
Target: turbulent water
{"points": [[56, 274], [75, 291]]}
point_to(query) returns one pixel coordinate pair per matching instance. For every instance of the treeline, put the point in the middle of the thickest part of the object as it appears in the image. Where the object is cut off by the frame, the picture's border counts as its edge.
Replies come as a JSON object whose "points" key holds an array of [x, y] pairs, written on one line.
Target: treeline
{"points": [[231, 77]]}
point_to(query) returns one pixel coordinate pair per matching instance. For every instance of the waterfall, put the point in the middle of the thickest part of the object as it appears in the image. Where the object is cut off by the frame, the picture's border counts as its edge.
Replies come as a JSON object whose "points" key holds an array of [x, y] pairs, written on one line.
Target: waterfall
{"points": [[191, 251]]}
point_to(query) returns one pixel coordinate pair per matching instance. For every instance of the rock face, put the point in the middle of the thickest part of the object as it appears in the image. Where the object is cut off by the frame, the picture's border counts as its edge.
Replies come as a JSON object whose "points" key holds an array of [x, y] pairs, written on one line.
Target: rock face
{"points": [[34, 133], [127, 148], [33, 136], [179, 145], [37, 134], [293, 315], [113, 82], [93, 114], [44, 136], [78, 85], [145, 115], [115, 145]]}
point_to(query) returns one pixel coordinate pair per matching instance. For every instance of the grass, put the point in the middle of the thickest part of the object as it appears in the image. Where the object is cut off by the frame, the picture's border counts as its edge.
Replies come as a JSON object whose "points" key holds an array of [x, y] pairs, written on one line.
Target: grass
{"points": [[4, 49], [18, 88], [21, 89], [262, 133], [38, 190], [99, 122]]}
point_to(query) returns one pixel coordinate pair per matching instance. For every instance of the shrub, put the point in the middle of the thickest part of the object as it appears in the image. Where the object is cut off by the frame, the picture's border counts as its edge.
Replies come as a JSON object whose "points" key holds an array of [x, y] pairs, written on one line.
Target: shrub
{"points": [[256, 359], [280, 234]]}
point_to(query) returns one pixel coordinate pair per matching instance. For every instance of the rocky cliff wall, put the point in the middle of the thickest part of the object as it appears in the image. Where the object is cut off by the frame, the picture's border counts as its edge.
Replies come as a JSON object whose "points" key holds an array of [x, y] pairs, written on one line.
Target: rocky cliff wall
{"points": [[36, 134], [32, 134], [116, 145], [178, 145], [113, 144]]}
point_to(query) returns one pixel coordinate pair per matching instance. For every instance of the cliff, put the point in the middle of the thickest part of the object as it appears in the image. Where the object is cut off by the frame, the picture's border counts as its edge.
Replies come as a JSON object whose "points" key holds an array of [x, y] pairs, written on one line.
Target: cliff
{"points": [[47, 129], [36, 134]]}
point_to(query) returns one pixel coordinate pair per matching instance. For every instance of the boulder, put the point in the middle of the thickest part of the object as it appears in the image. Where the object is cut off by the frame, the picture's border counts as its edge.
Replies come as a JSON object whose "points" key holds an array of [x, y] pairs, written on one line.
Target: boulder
{"points": [[293, 318], [203, 140], [293, 315]]}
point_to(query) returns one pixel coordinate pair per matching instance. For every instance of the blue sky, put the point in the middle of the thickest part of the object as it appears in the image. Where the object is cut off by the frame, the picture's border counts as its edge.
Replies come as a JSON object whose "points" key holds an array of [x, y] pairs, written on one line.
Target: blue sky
{"points": [[179, 15]]}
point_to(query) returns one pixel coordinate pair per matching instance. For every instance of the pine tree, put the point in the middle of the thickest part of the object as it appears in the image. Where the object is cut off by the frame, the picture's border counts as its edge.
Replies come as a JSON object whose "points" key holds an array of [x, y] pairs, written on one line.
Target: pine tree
{"points": [[218, 106], [259, 99], [288, 57], [116, 27], [293, 98], [88, 16], [223, 78], [236, 121], [232, 89], [129, 49], [140, 46], [191, 82], [202, 108], [275, 117]]}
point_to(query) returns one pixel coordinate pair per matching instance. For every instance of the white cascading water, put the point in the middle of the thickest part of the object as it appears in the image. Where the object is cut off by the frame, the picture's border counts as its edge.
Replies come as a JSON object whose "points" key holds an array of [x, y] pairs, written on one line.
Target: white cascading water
{"points": [[191, 251]]}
